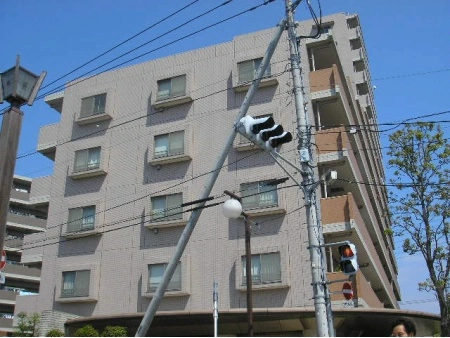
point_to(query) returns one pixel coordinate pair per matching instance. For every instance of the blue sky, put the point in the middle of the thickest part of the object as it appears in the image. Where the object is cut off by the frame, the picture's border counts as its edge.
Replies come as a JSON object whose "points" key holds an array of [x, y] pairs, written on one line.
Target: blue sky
{"points": [[407, 42]]}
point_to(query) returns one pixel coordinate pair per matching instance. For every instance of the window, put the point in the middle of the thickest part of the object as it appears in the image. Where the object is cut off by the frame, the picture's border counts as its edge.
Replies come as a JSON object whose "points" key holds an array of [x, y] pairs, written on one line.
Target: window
{"points": [[87, 159], [93, 105], [166, 208], [81, 219], [171, 88], [155, 274], [258, 195], [266, 269], [169, 144], [75, 283], [247, 70]]}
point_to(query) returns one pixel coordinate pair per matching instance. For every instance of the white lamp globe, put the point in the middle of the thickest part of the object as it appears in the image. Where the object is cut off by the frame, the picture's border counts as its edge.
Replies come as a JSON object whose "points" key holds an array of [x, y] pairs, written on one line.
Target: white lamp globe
{"points": [[232, 208]]}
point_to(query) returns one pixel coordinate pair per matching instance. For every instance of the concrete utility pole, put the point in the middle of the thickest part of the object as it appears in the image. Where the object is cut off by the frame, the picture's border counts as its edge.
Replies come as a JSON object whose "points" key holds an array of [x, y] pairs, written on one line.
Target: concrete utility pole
{"points": [[189, 228], [309, 185]]}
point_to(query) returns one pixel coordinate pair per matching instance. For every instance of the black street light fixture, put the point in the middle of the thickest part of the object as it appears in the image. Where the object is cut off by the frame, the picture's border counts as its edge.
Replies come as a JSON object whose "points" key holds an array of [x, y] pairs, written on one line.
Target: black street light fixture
{"points": [[233, 209], [17, 86]]}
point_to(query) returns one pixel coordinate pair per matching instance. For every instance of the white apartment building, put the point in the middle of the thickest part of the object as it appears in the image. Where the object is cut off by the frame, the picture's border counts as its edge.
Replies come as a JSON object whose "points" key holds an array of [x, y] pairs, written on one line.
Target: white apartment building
{"points": [[135, 144], [27, 215]]}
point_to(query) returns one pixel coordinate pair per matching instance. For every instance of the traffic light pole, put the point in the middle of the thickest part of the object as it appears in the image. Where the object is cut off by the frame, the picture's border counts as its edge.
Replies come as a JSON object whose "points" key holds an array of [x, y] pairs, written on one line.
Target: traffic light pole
{"points": [[189, 228], [315, 236]]}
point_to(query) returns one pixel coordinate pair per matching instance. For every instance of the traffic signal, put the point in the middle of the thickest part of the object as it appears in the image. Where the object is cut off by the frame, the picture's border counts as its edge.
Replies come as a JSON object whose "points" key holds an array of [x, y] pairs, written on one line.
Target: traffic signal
{"points": [[264, 132], [349, 264]]}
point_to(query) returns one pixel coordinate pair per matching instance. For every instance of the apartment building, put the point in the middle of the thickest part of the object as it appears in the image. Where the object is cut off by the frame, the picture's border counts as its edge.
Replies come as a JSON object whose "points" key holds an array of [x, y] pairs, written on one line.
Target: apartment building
{"points": [[135, 145], [27, 215]]}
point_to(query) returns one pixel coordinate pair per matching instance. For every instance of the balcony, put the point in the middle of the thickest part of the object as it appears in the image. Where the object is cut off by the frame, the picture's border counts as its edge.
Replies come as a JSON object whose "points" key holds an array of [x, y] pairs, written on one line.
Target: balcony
{"points": [[330, 97], [22, 274], [13, 244], [31, 253], [48, 140], [325, 36], [7, 300], [362, 290], [19, 195], [26, 223], [342, 220], [361, 77], [325, 83], [357, 55], [355, 32], [6, 325], [55, 100], [265, 82], [172, 102], [40, 190], [336, 151]]}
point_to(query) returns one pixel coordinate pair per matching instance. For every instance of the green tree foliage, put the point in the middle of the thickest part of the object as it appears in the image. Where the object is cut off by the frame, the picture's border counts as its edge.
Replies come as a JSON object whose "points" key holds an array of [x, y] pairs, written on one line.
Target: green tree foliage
{"points": [[55, 333], [28, 325], [87, 331], [114, 331], [420, 204]]}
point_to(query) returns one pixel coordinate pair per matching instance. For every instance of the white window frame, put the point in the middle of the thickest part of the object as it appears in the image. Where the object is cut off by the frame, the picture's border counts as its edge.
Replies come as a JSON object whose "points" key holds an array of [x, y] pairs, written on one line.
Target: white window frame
{"points": [[93, 105], [73, 277], [175, 283], [90, 162], [171, 91], [161, 151], [260, 272], [250, 74], [167, 213], [84, 221], [260, 194]]}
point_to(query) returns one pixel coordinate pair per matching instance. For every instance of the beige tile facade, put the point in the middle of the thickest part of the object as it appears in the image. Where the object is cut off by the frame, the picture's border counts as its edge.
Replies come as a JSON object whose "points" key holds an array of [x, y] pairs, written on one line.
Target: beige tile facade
{"points": [[125, 240]]}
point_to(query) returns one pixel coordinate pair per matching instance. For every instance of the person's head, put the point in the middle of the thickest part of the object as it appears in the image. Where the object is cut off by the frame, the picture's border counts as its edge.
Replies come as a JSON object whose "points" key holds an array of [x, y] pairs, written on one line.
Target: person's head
{"points": [[403, 327]]}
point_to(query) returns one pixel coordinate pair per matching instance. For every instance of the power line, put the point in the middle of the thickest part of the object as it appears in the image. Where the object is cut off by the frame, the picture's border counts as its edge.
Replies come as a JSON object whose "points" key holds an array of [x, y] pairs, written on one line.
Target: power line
{"points": [[160, 47], [266, 2], [412, 74], [161, 190], [99, 131], [122, 43], [159, 219]]}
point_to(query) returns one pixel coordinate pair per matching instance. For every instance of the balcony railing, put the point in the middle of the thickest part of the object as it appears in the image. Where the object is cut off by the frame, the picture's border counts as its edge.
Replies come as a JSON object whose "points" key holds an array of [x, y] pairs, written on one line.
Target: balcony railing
{"points": [[19, 272], [322, 80], [48, 138], [19, 195], [332, 140], [26, 221], [6, 324], [361, 290], [8, 297]]}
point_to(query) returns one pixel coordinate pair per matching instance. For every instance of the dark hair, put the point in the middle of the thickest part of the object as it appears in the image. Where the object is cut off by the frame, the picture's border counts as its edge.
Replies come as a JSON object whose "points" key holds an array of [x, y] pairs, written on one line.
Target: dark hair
{"points": [[408, 324]]}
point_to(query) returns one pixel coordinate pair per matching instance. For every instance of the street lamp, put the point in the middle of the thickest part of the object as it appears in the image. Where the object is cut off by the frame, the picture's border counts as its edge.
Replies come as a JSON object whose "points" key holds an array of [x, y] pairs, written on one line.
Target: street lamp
{"points": [[17, 86], [233, 209]]}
